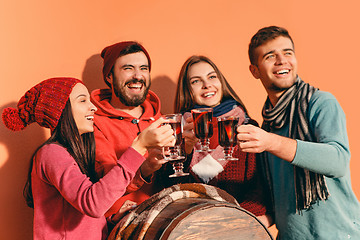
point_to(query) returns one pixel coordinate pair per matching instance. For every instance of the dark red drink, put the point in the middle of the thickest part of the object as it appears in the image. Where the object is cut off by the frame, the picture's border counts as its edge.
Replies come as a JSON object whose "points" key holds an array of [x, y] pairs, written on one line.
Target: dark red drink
{"points": [[203, 125], [173, 154], [176, 126], [227, 132]]}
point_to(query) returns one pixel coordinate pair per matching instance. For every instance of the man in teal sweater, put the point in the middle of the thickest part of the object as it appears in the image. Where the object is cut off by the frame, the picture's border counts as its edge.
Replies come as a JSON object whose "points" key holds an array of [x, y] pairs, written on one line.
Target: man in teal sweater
{"points": [[303, 144]]}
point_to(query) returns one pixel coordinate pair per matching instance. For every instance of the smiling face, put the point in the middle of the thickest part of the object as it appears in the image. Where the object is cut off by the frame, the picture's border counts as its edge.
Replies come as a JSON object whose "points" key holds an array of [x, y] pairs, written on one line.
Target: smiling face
{"points": [[131, 78], [276, 66], [82, 109], [205, 84]]}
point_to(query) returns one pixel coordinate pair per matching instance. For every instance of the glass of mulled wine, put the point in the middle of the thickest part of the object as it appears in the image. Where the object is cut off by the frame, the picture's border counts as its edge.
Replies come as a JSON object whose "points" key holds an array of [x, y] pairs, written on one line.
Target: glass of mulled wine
{"points": [[227, 135], [203, 127], [173, 154]]}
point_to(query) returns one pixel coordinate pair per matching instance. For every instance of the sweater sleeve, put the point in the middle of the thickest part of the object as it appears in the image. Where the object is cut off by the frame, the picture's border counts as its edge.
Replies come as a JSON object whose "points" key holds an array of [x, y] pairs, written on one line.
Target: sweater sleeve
{"points": [[55, 166], [106, 159], [329, 154]]}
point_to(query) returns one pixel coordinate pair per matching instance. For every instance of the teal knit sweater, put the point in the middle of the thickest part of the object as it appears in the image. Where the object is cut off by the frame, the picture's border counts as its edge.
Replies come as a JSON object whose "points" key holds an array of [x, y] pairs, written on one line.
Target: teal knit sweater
{"points": [[339, 216]]}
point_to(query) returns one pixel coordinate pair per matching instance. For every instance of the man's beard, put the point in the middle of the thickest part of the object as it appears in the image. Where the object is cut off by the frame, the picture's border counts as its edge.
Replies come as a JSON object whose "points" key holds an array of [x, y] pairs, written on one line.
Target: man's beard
{"points": [[134, 101]]}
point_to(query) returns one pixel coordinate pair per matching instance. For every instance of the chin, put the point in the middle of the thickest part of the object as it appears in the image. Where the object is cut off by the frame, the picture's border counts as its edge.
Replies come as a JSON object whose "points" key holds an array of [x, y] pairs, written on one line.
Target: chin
{"points": [[213, 104], [86, 131]]}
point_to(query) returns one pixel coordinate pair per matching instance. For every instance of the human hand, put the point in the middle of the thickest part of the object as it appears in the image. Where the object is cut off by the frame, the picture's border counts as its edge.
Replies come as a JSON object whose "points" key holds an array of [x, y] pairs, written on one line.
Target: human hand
{"points": [[256, 140], [253, 139], [126, 207], [156, 134], [152, 163], [188, 133]]}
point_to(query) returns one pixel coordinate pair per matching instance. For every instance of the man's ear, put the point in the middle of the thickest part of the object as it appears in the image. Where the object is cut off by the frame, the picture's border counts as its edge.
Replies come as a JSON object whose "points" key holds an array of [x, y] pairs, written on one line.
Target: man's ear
{"points": [[109, 78], [254, 71]]}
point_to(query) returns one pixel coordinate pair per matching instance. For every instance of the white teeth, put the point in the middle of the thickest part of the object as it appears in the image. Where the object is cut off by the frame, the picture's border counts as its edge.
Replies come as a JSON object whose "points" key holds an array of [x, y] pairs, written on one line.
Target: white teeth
{"points": [[283, 71], [89, 117], [209, 94], [135, 85]]}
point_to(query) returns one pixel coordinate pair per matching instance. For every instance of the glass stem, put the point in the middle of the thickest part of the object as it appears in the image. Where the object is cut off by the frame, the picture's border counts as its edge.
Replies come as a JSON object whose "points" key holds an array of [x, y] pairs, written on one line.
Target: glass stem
{"points": [[178, 167], [205, 143], [228, 152]]}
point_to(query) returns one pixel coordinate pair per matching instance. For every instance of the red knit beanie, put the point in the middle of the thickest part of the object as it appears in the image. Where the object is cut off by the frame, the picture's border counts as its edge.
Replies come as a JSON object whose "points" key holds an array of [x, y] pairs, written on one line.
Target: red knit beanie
{"points": [[43, 104], [111, 53]]}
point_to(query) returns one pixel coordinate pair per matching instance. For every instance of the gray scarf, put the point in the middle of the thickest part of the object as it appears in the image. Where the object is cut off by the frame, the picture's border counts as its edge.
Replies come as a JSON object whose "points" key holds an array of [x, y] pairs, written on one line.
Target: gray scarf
{"points": [[291, 109]]}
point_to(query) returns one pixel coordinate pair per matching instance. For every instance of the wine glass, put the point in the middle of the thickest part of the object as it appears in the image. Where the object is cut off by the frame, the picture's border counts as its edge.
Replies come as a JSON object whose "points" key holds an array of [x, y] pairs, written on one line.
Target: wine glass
{"points": [[227, 135], [173, 154], [203, 127]]}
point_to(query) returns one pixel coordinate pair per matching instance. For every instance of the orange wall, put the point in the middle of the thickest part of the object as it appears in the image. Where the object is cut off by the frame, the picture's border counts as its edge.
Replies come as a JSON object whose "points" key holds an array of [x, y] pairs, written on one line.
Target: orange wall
{"points": [[42, 39]]}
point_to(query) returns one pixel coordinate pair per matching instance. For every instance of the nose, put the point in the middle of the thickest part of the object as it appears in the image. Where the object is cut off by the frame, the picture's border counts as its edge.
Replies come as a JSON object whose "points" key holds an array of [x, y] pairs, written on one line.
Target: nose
{"points": [[93, 108], [280, 59], [138, 74], [205, 84]]}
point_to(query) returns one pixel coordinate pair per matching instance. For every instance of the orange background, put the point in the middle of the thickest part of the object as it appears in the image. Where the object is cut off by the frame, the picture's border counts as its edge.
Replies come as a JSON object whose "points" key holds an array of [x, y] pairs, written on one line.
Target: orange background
{"points": [[43, 39]]}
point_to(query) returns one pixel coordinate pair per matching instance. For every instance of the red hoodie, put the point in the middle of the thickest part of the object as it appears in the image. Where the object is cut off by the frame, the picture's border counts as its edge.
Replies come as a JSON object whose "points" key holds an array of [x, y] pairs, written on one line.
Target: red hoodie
{"points": [[114, 132]]}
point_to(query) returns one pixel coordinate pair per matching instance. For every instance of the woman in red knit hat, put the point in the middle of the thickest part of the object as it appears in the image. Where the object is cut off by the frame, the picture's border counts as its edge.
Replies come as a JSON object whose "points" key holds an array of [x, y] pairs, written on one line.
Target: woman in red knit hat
{"points": [[202, 85], [69, 200]]}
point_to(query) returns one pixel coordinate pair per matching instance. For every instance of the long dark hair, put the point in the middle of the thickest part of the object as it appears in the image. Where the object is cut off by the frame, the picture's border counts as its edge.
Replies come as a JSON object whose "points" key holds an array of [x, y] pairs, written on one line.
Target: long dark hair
{"points": [[184, 97], [81, 148]]}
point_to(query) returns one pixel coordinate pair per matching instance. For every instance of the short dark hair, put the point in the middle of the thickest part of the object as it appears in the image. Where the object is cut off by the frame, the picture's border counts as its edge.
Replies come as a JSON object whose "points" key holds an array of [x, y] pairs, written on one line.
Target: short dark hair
{"points": [[134, 48], [111, 53], [264, 35]]}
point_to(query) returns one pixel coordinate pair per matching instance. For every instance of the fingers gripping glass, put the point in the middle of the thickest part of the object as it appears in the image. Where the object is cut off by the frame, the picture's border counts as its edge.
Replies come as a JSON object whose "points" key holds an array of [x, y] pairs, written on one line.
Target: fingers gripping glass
{"points": [[173, 154], [203, 127]]}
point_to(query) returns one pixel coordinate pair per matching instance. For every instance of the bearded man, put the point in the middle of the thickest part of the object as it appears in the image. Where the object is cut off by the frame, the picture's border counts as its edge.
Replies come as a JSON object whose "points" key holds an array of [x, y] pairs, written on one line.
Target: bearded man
{"points": [[125, 109]]}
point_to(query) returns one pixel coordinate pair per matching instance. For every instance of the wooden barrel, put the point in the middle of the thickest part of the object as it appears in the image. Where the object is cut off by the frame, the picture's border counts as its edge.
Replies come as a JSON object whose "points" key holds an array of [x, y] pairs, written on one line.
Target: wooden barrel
{"points": [[195, 218]]}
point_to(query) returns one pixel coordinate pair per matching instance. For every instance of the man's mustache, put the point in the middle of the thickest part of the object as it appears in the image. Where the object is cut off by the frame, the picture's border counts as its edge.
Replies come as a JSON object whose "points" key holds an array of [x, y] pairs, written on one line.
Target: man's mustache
{"points": [[136, 81]]}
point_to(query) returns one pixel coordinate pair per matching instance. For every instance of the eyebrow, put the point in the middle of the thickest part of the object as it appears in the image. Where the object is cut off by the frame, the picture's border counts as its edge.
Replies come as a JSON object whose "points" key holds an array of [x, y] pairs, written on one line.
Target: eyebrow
{"points": [[211, 73], [81, 95], [129, 65], [206, 75], [283, 50]]}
